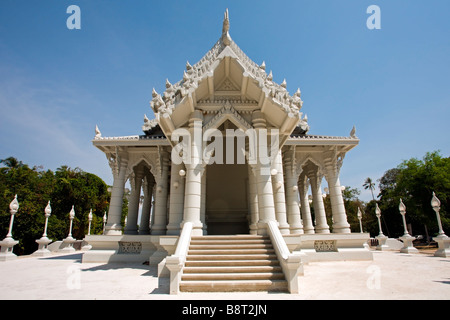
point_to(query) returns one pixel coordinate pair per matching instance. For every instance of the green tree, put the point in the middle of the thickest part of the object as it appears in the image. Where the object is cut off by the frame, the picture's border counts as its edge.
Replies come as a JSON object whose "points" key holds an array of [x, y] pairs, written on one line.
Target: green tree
{"points": [[35, 187], [352, 203], [413, 181], [369, 184]]}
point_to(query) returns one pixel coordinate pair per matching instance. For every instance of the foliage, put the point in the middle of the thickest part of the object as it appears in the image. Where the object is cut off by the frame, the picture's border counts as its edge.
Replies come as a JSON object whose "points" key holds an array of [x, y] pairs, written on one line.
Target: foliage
{"points": [[35, 187], [414, 181], [369, 184]]}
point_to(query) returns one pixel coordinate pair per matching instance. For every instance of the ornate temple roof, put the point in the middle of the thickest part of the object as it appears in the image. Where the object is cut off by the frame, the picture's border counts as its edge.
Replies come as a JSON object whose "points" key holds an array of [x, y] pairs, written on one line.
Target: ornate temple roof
{"points": [[194, 74], [225, 81]]}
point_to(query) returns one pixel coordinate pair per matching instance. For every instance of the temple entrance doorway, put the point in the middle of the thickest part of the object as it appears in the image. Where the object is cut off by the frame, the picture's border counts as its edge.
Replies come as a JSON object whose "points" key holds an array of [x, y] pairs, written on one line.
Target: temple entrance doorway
{"points": [[227, 206], [226, 199]]}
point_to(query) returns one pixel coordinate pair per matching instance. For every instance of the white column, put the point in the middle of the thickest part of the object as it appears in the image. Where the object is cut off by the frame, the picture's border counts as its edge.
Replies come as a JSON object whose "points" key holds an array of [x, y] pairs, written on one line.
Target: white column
{"points": [[193, 189], [319, 208], [133, 205], [292, 198], [203, 205], [340, 224], [308, 227], [266, 206], [113, 226], [144, 226], [161, 197], [279, 195], [253, 201], [176, 199]]}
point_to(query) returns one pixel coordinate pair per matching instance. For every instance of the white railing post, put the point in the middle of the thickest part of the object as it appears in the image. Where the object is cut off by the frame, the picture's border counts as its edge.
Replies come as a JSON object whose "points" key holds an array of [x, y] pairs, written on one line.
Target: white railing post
{"points": [[442, 239], [291, 263], [8, 243], [69, 241], [44, 241], [175, 262]]}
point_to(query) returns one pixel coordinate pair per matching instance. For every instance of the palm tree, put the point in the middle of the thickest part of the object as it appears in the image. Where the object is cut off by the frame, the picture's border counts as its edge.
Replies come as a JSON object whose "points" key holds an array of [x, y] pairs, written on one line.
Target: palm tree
{"points": [[369, 184], [11, 163]]}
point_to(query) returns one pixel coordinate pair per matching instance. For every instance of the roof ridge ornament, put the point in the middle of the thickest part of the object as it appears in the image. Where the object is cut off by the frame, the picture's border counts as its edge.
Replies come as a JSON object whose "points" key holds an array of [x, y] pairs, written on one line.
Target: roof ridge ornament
{"points": [[98, 134], [226, 39], [353, 132]]}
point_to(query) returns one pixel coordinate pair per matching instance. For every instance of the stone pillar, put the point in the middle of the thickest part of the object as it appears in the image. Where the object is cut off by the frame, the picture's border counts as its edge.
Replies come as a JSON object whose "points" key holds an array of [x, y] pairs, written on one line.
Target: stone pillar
{"points": [[152, 211], [193, 189], [144, 226], [319, 208], [266, 206], [253, 201], [133, 204], [176, 199], [161, 197], [203, 205], [113, 226], [279, 195], [303, 185], [333, 164], [291, 190]]}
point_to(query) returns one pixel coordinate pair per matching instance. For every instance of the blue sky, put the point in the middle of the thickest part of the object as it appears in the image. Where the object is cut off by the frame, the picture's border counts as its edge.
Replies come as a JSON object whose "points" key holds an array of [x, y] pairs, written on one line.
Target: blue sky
{"points": [[56, 84]]}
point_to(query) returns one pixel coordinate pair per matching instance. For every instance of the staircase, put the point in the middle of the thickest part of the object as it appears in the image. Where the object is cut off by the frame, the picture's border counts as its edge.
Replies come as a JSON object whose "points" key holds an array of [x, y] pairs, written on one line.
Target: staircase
{"points": [[232, 263]]}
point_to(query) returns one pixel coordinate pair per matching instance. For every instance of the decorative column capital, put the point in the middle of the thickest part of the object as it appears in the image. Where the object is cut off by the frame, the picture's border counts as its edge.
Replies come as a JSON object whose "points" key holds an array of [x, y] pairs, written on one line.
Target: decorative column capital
{"points": [[333, 162], [258, 120]]}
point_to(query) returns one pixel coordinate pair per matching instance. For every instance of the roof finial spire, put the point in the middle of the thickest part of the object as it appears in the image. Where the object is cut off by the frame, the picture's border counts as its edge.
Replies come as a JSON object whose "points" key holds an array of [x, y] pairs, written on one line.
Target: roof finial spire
{"points": [[226, 22], [226, 26]]}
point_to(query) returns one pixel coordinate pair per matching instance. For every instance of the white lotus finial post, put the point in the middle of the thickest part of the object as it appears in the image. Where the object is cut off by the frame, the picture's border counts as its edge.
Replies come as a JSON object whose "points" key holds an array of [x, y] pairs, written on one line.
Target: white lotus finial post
{"points": [[359, 214], [381, 237], [48, 211], [13, 208], [378, 214], [71, 216], [86, 246], [8, 243], [104, 222], [442, 239], [402, 209], [436, 205], [69, 241], [407, 239], [90, 221], [43, 242]]}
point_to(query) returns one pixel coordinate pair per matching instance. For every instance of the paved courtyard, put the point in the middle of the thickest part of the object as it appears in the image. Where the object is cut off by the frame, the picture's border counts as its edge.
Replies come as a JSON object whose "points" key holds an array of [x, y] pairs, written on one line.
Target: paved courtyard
{"points": [[391, 275]]}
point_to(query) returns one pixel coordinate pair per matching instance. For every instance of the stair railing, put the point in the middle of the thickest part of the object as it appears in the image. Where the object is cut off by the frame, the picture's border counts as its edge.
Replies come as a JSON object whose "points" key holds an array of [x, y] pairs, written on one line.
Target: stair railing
{"points": [[175, 262], [291, 263]]}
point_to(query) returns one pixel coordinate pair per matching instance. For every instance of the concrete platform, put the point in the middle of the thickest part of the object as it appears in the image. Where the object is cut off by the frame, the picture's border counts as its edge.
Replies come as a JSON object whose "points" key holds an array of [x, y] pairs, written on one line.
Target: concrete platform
{"points": [[391, 275]]}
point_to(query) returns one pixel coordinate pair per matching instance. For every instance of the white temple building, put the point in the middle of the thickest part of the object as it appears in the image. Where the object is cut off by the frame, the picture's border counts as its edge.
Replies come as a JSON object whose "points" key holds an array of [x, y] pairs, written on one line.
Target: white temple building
{"points": [[228, 153]]}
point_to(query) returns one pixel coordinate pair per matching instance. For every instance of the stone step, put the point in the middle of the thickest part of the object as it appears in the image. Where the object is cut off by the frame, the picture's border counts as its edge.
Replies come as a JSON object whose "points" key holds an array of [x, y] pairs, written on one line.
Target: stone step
{"points": [[231, 252], [230, 241], [235, 237], [232, 269], [232, 263], [229, 246], [234, 286], [233, 276], [201, 257], [237, 263]]}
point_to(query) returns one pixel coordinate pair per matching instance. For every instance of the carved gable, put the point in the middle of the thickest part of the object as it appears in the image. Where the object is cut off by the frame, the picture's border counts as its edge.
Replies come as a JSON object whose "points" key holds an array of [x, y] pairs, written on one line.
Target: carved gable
{"points": [[227, 85]]}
